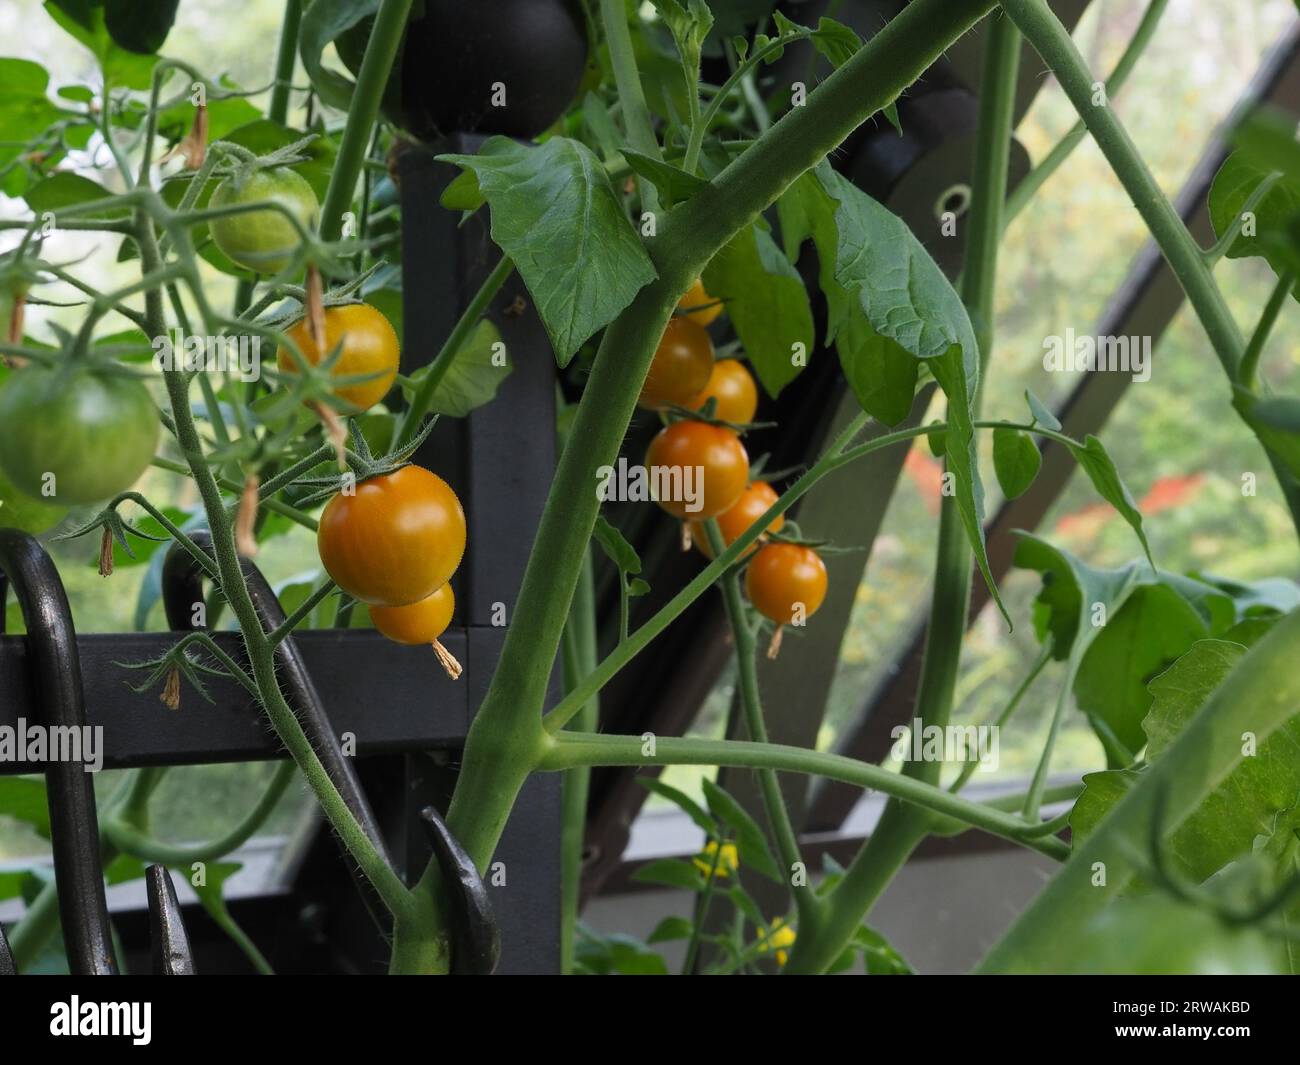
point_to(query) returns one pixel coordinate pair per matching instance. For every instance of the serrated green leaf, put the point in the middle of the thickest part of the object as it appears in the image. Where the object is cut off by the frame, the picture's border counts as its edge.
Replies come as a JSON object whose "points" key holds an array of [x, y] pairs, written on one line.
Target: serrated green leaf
{"points": [[556, 215], [836, 41], [462, 193]]}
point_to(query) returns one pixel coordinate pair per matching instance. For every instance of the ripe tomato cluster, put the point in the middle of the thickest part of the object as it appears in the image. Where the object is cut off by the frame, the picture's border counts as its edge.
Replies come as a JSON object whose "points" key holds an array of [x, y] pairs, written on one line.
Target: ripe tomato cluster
{"points": [[394, 543], [785, 581]]}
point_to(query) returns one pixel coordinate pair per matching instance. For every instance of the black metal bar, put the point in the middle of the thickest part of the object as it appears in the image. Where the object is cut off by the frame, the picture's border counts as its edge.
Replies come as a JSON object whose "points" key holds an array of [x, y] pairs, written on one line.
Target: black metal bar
{"points": [[182, 588], [74, 826], [501, 460], [170, 944], [475, 937], [391, 698]]}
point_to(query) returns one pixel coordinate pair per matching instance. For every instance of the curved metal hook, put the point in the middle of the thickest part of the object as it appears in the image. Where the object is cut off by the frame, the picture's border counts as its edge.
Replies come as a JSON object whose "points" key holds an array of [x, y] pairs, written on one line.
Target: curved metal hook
{"points": [[74, 826], [182, 587], [169, 941], [475, 936]]}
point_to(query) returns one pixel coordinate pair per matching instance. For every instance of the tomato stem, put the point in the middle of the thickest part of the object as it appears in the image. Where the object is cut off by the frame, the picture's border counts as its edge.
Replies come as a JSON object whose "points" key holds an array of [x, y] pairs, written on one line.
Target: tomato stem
{"points": [[903, 826], [572, 749], [381, 52], [437, 370], [751, 702]]}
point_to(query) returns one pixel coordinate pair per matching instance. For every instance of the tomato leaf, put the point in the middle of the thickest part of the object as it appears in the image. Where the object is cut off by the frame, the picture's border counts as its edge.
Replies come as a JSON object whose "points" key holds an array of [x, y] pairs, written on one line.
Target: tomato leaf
{"points": [[1041, 413], [879, 955], [23, 798], [1099, 467], [556, 215], [65, 189], [1236, 181], [670, 929], [139, 26], [84, 20], [670, 872], [27, 112], [616, 547], [673, 183], [682, 801], [1271, 424], [882, 375], [767, 304], [1016, 459], [1119, 627], [873, 266], [751, 841], [476, 372], [322, 22], [1143, 637], [1256, 800], [836, 41]]}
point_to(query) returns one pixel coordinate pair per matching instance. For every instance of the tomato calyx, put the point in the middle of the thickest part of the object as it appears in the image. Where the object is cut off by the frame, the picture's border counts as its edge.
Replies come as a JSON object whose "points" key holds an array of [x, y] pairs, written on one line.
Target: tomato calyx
{"points": [[706, 414], [790, 533], [263, 214], [240, 164], [363, 464], [113, 529]]}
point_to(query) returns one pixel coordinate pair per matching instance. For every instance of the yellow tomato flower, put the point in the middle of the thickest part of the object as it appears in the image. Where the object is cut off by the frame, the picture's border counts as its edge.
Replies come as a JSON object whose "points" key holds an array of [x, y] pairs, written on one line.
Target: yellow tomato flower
{"points": [[779, 938], [727, 863]]}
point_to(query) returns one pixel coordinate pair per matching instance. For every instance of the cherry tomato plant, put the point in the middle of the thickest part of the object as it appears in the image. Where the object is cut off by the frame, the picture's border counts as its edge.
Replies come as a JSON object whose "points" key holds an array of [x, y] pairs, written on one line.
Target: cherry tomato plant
{"points": [[654, 191]]}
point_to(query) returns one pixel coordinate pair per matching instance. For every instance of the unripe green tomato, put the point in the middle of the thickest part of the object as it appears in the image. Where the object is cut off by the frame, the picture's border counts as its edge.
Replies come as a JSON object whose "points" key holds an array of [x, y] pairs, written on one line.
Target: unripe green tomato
{"points": [[94, 432], [263, 241], [20, 511]]}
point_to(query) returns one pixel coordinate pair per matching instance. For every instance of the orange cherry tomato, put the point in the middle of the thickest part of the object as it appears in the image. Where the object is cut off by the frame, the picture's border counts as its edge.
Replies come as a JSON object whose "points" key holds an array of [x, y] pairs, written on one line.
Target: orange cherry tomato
{"points": [[681, 366], [421, 622], [369, 346], [699, 469], [397, 540], [732, 385], [786, 582], [698, 297], [736, 520], [416, 623]]}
